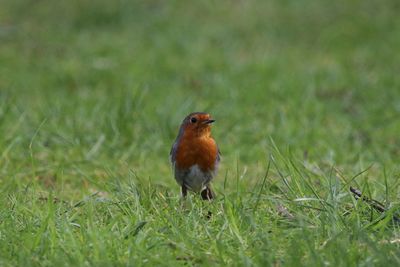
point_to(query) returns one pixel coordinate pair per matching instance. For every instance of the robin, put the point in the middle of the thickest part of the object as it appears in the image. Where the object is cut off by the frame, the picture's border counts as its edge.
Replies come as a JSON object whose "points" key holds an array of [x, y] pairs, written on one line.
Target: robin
{"points": [[195, 155]]}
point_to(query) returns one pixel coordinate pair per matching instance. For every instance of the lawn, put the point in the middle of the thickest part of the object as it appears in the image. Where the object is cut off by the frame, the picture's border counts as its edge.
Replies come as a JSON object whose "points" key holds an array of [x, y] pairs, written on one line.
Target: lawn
{"points": [[306, 97]]}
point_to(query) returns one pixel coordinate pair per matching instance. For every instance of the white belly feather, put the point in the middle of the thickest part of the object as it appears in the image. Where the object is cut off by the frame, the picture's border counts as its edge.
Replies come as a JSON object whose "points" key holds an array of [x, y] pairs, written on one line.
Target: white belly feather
{"points": [[194, 178]]}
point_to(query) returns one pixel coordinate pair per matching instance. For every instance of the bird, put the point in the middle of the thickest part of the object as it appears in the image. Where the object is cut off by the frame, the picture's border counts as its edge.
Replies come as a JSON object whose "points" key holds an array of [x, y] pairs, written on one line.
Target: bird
{"points": [[195, 155]]}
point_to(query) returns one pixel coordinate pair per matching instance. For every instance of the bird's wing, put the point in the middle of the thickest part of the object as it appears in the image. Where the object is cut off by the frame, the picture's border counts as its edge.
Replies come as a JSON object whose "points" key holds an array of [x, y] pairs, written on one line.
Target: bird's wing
{"points": [[174, 148], [218, 155], [172, 153]]}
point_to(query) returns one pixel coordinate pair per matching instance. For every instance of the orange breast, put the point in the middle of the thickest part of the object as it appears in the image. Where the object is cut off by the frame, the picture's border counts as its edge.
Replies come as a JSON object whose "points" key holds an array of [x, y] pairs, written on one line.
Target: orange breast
{"points": [[201, 151]]}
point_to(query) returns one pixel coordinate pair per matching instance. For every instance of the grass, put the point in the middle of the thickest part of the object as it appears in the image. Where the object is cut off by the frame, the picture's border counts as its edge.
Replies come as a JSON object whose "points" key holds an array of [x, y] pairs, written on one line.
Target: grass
{"points": [[306, 98]]}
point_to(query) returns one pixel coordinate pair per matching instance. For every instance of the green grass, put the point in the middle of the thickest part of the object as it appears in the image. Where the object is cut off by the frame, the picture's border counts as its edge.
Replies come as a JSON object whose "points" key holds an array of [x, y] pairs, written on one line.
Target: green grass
{"points": [[306, 95]]}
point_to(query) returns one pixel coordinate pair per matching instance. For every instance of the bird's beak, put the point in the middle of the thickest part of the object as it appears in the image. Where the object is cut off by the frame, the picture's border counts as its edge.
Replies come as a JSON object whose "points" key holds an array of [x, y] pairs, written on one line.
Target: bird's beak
{"points": [[208, 121]]}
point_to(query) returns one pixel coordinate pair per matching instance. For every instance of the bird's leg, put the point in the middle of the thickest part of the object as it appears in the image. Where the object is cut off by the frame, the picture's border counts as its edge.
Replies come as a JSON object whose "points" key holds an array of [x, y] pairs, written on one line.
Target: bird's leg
{"points": [[207, 193], [183, 198], [184, 190]]}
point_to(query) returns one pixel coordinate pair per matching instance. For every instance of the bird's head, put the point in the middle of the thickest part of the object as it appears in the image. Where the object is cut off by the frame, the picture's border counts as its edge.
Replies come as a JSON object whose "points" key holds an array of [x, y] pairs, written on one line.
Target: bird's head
{"points": [[198, 124]]}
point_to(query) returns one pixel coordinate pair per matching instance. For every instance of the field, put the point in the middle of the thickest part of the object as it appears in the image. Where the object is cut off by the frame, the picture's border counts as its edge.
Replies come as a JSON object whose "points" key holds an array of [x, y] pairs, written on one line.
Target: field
{"points": [[306, 97]]}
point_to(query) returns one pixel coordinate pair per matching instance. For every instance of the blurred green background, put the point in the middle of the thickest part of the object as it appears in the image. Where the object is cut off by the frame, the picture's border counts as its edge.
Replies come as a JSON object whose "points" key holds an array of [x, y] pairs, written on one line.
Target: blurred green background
{"points": [[107, 83], [319, 76]]}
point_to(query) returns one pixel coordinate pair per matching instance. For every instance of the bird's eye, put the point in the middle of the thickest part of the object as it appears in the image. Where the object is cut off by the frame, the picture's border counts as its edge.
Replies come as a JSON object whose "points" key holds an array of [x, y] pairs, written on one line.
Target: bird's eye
{"points": [[193, 120]]}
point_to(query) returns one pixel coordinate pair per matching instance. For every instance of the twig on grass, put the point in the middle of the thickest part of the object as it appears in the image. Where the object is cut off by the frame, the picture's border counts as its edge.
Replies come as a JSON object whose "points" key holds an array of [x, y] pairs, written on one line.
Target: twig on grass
{"points": [[378, 206]]}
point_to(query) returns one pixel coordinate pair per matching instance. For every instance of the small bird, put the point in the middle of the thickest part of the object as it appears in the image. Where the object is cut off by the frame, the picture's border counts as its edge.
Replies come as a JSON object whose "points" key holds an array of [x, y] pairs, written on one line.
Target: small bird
{"points": [[195, 155]]}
